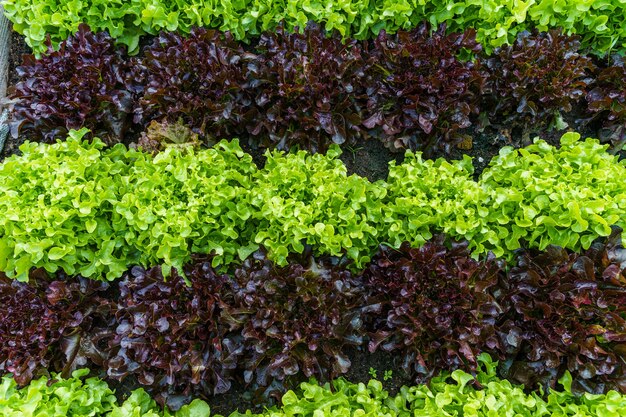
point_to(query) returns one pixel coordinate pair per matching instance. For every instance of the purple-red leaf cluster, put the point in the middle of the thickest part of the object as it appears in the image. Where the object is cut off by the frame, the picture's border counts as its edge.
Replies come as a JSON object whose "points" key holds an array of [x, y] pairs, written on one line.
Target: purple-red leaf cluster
{"points": [[567, 312], [270, 327], [166, 335], [310, 89], [295, 320], [438, 306], [414, 89], [608, 98], [419, 91], [201, 79], [50, 325], [83, 84], [536, 78]]}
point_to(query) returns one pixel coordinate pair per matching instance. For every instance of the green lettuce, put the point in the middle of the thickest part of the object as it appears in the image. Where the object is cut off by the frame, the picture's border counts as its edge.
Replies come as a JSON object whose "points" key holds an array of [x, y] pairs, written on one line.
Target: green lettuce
{"points": [[97, 211], [497, 22]]}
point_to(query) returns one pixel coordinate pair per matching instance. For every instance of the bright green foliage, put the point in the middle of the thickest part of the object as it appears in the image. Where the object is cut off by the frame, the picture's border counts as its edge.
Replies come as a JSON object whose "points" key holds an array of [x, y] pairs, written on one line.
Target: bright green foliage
{"points": [[426, 196], [566, 196], [543, 195], [599, 22], [456, 396], [446, 396], [67, 397], [94, 211], [311, 198], [80, 397]]}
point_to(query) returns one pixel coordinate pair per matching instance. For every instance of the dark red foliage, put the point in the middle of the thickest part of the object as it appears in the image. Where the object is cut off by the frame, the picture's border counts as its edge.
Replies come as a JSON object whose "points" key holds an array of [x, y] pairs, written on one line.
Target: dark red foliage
{"points": [[567, 312], [297, 319], [414, 89], [270, 327], [608, 98], [535, 79], [310, 89], [50, 325], [167, 334], [439, 310], [83, 84], [201, 79], [422, 93]]}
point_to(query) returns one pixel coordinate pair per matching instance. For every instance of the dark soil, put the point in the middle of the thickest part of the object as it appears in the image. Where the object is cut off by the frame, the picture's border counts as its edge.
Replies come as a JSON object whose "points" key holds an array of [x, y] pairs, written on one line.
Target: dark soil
{"points": [[370, 159], [18, 48]]}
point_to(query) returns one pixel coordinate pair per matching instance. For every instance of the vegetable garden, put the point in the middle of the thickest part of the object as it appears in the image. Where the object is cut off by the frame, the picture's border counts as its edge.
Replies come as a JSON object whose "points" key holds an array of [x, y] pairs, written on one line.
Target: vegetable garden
{"points": [[294, 208]]}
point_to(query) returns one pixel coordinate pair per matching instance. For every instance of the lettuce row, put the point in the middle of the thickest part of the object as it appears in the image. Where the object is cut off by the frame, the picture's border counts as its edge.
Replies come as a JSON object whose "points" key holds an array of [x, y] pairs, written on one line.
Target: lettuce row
{"points": [[285, 90], [93, 211], [497, 22], [270, 327], [456, 394], [79, 396]]}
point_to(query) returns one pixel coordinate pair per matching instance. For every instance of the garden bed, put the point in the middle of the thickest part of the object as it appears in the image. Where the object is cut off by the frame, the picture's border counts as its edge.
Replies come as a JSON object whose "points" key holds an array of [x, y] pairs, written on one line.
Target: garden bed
{"points": [[215, 217]]}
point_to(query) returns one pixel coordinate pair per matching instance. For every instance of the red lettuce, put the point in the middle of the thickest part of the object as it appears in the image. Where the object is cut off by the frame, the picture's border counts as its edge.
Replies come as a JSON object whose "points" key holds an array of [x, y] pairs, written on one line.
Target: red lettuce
{"points": [[83, 84], [201, 79], [310, 89], [51, 325], [422, 94], [535, 80], [567, 312], [439, 306], [295, 320], [269, 327], [608, 99], [167, 334]]}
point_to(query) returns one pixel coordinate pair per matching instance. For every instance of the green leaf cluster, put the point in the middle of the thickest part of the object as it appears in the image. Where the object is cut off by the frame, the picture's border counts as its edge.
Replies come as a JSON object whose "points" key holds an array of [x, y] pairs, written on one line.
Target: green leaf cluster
{"points": [[447, 395], [599, 22], [93, 211], [78, 396], [311, 199], [97, 211], [541, 195]]}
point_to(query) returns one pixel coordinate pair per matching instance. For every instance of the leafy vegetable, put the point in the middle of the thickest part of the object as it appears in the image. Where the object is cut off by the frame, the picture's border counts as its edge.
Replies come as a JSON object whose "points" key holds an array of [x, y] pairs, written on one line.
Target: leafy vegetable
{"points": [[461, 394], [554, 313], [75, 396], [566, 313], [608, 99], [200, 79], [416, 89], [535, 196], [421, 93], [167, 337], [536, 80], [566, 196], [295, 320], [96, 212], [438, 309], [309, 199], [50, 324], [159, 136], [78, 396], [496, 21], [456, 394], [81, 85], [311, 89]]}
